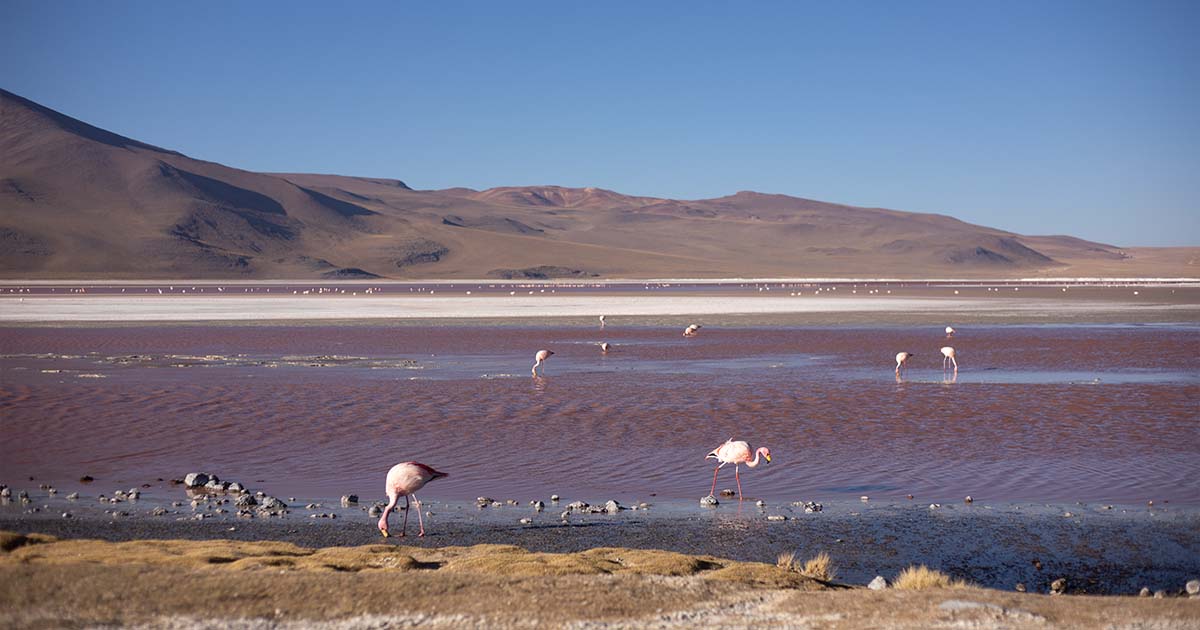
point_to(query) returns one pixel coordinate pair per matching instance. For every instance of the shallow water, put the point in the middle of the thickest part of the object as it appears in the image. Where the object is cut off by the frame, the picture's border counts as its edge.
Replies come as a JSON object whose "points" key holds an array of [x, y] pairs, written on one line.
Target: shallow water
{"points": [[1039, 413]]}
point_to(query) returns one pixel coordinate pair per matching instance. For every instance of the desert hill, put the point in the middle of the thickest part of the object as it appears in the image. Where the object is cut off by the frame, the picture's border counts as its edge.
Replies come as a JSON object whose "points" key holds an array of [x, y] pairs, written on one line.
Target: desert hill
{"points": [[80, 202]]}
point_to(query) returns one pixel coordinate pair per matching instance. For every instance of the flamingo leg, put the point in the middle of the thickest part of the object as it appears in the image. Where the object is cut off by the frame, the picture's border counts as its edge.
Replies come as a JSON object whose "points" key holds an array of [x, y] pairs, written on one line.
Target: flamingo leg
{"points": [[404, 528], [737, 475], [713, 492], [955, 363], [420, 522]]}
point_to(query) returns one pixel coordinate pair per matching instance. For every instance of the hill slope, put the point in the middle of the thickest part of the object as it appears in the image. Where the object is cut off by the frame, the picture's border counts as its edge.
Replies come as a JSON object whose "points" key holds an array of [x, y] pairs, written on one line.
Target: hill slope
{"points": [[78, 201]]}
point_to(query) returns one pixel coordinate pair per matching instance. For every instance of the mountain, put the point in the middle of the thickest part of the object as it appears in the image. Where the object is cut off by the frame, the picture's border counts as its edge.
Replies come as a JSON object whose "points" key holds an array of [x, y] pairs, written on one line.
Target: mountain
{"points": [[77, 201]]}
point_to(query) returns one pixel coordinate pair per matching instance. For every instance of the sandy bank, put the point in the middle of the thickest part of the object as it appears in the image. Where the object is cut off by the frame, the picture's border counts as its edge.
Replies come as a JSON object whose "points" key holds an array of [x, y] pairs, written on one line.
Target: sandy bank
{"points": [[235, 308], [178, 583]]}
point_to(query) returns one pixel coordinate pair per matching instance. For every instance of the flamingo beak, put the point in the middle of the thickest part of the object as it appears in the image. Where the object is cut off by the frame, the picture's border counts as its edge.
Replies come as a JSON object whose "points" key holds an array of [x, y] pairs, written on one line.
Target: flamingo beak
{"points": [[768, 458], [712, 455], [384, 532]]}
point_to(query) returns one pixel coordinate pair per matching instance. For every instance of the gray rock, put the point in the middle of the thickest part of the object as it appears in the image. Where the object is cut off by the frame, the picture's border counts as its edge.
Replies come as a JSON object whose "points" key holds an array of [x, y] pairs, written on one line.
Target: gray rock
{"points": [[271, 504], [5, 492], [1020, 587], [577, 506], [215, 485], [349, 499], [612, 507], [727, 492], [66, 515], [709, 501], [554, 497], [245, 501], [968, 499], [197, 479], [812, 507], [236, 487], [484, 501], [1145, 592], [23, 495], [1160, 594], [159, 511], [934, 506], [538, 506], [375, 510], [565, 515], [133, 495], [52, 490], [760, 503], [1192, 587], [73, 496], [878, 584], [776, 517], [312, 506], [526, 521]]}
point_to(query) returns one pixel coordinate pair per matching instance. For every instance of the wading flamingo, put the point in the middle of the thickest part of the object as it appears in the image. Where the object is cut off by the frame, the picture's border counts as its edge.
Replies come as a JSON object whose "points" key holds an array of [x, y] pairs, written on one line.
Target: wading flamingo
{"points": [[735, 453], [902, 359], [949, 332], [692, 330], [602, 321], [403, 480], [605, 347], [947, 358], [539, 359]]}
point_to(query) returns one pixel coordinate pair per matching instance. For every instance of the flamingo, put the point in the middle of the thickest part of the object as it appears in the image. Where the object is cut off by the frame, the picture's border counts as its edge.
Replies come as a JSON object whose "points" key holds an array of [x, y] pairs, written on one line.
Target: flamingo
{"points": [[403, 480], [602, 321], [948, 356], [949, 332], [691, 330], [539, 359], [901, 359], [735, 453], [605, 347]]}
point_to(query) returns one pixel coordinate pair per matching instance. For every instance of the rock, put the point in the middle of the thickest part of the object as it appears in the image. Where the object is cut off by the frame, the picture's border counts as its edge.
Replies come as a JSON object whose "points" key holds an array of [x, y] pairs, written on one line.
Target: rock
{"points": [[66, 515], [538, 505], [1160, 594], [52, 490], [86, 479], [526, 521], [484, 501], [968, 499], [612, 507], [934, 506], [133, 495], [216, 485], [1020, 587], [726, 492], [776, 517], [272, 504], [236, 487], [73, 496], [577, 506], [709, 501], [1058, 587], [812, 507], [1037, 564], [197, 479], [245, 501], [1192, 587], [554, 497], [159, 511], [760, 503], [349, 499], [877, 584], [23, 495], [908, 496], [311, 506], [1145, 592], [511, 502], [375, 510], [5, 492], [864, 498]]}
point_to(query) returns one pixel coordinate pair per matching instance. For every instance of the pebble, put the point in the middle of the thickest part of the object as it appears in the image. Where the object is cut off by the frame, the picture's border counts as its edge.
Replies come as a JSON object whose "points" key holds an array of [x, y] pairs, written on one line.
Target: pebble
{"points": [[66, 515], [612, 507], [864, 498], [934, 506], [760, 503], [1192, 587], [484, 501], [1145, 592], [5, 492], [878, 584], [526, 521], [52, 490], [23, 495], [245, 500], [708, 501], [577, 506], [311, 506], [538, 505], [968, 499], [73, 496], [236, 487], [375, 510], [908, 496], [726, 492], [349, 499], [554, 497], [1058, 587], [86, 479], [159, 511], [272, 504], [1160, 594], [565, 514], [1020, 588], [776, 517]]}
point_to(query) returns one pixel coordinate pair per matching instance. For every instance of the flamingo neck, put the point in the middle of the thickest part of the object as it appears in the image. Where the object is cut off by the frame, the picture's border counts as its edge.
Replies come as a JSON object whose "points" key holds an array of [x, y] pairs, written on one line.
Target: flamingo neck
{"points": [[754, 462]]}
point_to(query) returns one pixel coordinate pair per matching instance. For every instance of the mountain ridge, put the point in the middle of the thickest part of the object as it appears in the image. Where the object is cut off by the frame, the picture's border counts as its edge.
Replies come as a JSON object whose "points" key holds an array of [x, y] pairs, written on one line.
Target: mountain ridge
{"points": [[78, 201]]}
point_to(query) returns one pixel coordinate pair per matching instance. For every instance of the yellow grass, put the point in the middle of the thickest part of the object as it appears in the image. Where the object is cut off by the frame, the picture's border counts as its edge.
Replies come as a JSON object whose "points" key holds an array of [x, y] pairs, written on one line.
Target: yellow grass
{"points": [[919, 578], [819, 567]]}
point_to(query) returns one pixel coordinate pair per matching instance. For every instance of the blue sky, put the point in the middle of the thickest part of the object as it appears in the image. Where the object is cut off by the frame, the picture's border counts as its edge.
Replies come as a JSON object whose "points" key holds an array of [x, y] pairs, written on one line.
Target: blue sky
{"points": [[1037, 117]]}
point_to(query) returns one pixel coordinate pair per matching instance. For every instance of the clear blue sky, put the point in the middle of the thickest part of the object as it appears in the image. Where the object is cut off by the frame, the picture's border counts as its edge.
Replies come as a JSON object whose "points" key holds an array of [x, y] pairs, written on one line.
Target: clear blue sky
{"points": [[1037, 117]]}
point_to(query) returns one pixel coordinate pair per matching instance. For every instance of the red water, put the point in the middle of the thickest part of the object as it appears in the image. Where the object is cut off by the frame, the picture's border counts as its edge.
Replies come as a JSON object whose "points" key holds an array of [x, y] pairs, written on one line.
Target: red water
{"points": [[1044, 413]]}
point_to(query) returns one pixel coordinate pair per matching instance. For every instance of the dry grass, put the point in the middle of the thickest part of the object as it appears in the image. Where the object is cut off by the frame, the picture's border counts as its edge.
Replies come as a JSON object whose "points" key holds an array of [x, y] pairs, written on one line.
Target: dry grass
{"points": [[819, 567], [920, 578]]}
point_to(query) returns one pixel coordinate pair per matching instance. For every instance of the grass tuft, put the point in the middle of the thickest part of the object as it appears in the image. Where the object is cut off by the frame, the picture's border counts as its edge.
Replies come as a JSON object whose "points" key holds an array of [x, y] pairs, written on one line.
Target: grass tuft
{"points": [[819, 567], [921, 577]]}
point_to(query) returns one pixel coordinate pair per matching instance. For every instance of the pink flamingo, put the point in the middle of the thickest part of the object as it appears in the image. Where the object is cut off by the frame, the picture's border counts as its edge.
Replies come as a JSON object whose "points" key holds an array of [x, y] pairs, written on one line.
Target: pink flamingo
{"points": [[539, 359], [947, 358], [902, 359], [602, 321], [949, 332], [735, 453], [605, 347], [403, 480]]}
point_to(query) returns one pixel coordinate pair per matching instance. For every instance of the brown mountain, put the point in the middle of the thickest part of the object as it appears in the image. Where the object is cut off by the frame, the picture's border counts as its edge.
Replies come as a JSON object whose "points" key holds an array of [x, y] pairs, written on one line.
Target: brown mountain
{"points": [[81, 202]]}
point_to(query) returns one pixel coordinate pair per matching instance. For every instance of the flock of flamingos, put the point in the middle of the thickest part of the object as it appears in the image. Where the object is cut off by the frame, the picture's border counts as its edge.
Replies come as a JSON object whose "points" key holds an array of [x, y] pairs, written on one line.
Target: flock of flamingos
{"points": [[404, 479]]}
